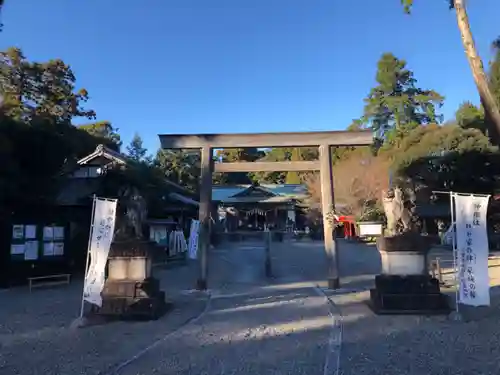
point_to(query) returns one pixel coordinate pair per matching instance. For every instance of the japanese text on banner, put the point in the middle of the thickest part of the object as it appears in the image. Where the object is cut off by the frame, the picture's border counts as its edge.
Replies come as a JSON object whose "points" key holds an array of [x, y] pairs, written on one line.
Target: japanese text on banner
{"points": [[102, 234], [193, 239], [472, 249]]}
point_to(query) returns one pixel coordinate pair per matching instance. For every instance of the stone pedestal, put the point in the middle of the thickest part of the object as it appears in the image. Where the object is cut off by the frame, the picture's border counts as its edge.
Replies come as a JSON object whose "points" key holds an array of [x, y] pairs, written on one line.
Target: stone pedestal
{"points": [[405, 286], [130, 290]]}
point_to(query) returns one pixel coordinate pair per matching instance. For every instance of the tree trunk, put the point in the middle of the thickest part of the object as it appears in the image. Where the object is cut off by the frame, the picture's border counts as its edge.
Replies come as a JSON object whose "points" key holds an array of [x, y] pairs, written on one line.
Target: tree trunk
{"points": [[491, 108]]}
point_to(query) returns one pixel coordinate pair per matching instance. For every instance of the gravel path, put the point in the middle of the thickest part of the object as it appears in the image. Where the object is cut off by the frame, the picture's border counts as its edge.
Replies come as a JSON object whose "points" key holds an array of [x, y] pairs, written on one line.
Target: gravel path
{"points": [[252, 325], [35, 337], [413, 345], [261, 333]]}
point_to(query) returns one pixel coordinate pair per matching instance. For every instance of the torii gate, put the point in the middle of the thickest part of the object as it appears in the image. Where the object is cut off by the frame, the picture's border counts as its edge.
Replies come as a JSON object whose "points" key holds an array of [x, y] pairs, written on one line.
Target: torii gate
{"points": [[324, 140]]}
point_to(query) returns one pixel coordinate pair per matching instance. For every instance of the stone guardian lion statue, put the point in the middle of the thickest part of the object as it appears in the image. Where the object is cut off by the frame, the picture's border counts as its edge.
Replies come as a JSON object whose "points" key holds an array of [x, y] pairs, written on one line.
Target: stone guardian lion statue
{"points": [[135, 213], [399, 217]]}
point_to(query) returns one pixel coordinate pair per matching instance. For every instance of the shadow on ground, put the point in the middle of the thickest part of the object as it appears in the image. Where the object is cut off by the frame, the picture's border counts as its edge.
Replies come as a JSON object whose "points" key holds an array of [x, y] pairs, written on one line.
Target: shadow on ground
{"points": [[414, 345]]}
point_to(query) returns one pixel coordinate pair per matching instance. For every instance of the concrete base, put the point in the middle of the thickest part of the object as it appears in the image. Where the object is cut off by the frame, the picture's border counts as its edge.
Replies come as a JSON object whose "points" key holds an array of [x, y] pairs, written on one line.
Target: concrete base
{"points": [[124, 308], [333, 283], [201, 284], [415, 294], [268, 268]]}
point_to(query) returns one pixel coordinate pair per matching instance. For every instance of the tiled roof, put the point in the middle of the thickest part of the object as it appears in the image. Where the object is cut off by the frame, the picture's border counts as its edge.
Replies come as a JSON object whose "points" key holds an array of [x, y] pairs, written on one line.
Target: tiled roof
{"points": [[108, 153], [222, 193]]}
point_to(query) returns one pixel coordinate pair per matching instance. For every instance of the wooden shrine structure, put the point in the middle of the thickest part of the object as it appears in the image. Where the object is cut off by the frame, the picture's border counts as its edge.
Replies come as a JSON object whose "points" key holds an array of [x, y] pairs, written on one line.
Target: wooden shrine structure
{"points": [[207, 143], [257, 207]]}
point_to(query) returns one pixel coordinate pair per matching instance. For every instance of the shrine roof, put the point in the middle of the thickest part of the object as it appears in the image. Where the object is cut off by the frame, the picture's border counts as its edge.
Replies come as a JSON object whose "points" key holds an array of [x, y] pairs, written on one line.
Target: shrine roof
{"points": [[103, 151], [270, 193]]}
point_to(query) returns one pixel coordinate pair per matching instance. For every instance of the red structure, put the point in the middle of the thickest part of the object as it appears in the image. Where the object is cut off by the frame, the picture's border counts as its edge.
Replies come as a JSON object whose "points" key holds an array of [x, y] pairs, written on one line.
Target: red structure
{"points": [[349, 224]]}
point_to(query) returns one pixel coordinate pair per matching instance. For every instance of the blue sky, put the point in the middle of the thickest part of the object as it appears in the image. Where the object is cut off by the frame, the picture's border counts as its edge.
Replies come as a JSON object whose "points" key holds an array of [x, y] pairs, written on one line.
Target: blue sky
{"points": [[212, 66]]}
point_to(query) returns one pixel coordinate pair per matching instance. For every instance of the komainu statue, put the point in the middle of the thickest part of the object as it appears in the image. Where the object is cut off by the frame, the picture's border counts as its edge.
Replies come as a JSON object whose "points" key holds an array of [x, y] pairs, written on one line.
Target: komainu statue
{"points": [[131, 222], [398, 211]]}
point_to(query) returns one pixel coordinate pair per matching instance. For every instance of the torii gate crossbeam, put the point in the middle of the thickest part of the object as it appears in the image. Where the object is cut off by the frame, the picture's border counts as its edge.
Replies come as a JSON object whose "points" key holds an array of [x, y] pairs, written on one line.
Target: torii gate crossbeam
{"points": [[206, 143]]}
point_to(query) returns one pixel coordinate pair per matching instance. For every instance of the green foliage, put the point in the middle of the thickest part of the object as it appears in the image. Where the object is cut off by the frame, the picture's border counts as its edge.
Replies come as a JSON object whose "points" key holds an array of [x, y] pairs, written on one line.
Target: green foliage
{"points": [[105, 132], [446, 157], [285, 154], [294, 177], [275, 154], [396, 105], [436, 141], [40, 90], [149, 180], [33, 155], [372, 212], [181, 167], [36, 132], [468, 116], [494, 71], [232, 155], [135, 150], [408, 5]]}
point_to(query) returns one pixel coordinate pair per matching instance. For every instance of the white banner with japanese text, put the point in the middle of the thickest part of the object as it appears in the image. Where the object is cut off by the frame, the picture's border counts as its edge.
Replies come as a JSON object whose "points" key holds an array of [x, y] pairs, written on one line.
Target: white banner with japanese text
{"points": [[472, 249], [102, 230], [193, 239]]}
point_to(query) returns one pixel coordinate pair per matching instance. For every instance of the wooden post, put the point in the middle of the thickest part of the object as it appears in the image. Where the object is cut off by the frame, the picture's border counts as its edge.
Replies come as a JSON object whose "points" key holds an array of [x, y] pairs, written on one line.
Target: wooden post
{"points": [[328, 206], [204, 214]]}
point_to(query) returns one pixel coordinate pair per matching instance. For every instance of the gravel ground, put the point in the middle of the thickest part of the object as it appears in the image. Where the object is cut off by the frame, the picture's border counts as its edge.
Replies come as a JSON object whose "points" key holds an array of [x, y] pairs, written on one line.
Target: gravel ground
{"points": [[414, 345], [251, 325], [261, 333], [278, 326], [35, 337]]}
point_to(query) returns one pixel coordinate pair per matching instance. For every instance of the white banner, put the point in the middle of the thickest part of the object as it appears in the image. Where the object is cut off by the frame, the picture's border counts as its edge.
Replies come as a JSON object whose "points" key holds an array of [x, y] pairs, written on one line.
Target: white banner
{"points": [[103, 227], [193, 239], [472, 249]]}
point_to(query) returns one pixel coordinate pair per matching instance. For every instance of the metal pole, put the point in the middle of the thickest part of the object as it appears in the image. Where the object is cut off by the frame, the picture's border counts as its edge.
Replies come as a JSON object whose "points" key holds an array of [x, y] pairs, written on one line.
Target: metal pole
{"points": [[88, 253], [455, 193], [268, 241]]}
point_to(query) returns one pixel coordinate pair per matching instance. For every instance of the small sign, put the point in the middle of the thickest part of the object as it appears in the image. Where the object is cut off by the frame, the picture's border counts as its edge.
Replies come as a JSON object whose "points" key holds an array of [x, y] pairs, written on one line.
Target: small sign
{"points": [[58, 233], [193, 239], [48, 248], [48, 233], [31, 250], [17, 249], [18, 232], [58, 248], [30, 232]]}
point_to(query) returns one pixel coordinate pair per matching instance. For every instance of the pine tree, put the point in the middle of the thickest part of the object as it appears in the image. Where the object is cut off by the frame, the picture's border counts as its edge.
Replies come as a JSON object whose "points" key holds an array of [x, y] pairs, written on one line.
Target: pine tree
{"points": [[135, 149], [396, 105]]}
